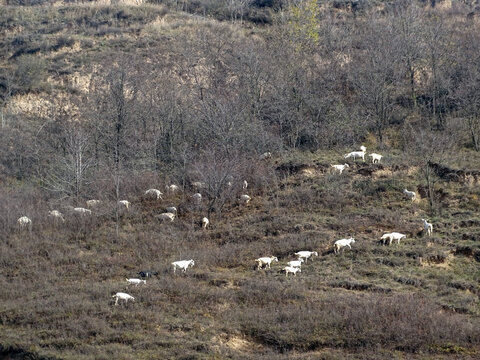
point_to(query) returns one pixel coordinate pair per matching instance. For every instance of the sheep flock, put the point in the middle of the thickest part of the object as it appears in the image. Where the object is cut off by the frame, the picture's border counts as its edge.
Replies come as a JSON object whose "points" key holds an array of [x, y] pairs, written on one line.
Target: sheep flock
{"points": [[292, 265]]}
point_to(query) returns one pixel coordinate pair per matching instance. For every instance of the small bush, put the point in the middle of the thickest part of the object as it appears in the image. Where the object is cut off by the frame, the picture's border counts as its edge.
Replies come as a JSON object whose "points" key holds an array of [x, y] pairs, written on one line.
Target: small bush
{"points": [[31, 73]]}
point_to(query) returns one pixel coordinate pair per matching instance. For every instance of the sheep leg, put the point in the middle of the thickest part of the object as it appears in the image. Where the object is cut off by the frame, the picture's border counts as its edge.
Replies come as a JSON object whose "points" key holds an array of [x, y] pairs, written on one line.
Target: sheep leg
{"points": [[116, 300]]}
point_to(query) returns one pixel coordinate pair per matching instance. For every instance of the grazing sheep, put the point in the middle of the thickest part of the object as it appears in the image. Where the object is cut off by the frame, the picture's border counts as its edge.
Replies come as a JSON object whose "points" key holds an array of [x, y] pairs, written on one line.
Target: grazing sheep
{"points": [[135, 282], [171, 189], [166, 216], [199, 185], [197, 197], [355, 155], [24, 222], [387, 239], [56, 215], [245, 199], [154, 192], [340, 168], [182, 264], [205, 222], [363, 148], [147, 273], [92, 203], [122, 296], [305, 254], [342, 243], [245, 185], [428, 227], [295, 263], [265, 155], [82, 211], [265, 261], [410, 194], [291, 269], [125, 203], [375, 157], [171, 209]]}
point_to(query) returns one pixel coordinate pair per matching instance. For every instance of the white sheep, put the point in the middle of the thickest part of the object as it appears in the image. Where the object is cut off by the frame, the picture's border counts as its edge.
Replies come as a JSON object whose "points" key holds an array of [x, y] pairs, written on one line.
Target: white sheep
{"points": [[342, 243], [199, 185], [56, 215], [135, 282], [125, 203], [82, 211], [375, 157], [355, 155], [172, 189], [265, 261], [295, 263], [305, 254], [182, 264], [340, 168], [171, 209], [92, 203], [197, 197], [122, 296], [363, 148], [410, 194], [154, 192], [388, 238], [245, 199], [428, 227], [205, 222], [265, 155], [245, 185], [24, 221], [166, 216], [291, 269]]}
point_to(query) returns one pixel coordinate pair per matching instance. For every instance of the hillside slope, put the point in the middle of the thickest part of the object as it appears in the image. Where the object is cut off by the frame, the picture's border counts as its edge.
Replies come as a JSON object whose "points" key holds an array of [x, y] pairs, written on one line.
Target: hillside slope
{"points": [[419, 296], [105, 102]]}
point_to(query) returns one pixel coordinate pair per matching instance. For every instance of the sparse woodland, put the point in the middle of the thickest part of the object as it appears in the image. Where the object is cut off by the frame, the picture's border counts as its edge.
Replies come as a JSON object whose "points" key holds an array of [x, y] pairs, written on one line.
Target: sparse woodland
{"points": [[106, 100]]}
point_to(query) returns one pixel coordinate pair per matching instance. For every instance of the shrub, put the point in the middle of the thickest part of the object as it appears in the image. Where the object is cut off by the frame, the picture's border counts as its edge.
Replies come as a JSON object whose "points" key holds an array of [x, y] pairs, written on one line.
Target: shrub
{"points": [[31, 73]]}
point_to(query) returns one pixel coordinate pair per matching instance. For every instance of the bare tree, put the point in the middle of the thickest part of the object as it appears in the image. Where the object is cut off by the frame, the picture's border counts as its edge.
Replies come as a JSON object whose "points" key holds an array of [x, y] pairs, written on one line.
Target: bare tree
{"points": [[113, 101], [429, 147], [374, 73], [220, 173], [407, 20], [467, 92], [437, 54], [68, 169]]}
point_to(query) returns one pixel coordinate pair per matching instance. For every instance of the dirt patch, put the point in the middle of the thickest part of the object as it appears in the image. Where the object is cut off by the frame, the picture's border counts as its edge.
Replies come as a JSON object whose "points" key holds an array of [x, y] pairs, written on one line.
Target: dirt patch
{"points": [[438, 260], [382, 173], [36, 105], [311, 172], [470, 177], [238, 343]]}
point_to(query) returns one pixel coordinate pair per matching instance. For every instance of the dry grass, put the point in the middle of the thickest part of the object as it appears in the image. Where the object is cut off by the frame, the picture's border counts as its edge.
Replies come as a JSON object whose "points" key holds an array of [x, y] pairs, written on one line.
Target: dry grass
{"points": [[58, 282]]}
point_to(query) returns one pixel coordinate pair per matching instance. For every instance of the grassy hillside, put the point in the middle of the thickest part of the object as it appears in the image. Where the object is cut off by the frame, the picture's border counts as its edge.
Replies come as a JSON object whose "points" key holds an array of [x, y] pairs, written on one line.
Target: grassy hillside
{"points": [[107, 101], [416, 298]]}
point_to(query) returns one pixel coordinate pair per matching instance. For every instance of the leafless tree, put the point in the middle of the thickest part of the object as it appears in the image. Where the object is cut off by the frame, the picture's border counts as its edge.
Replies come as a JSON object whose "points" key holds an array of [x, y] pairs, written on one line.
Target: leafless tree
{"points": [[467, 92], [436, 38], [374, 72], [67, 171], [407, 20], [429, 147]]}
